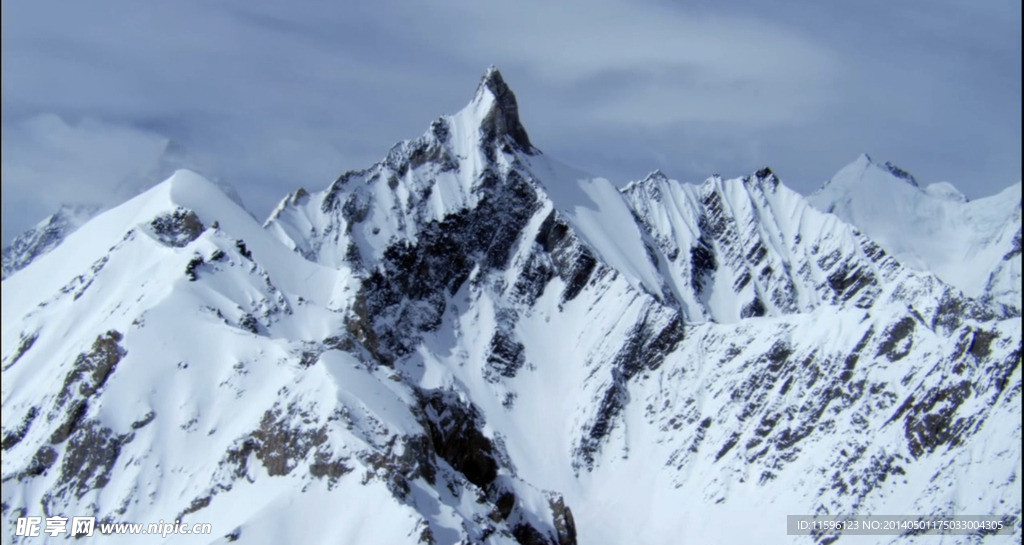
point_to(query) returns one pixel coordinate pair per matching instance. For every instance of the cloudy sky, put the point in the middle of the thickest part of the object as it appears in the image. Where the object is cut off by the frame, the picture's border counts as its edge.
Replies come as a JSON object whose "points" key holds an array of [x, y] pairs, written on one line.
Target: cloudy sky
{"points": [[269, 96]]}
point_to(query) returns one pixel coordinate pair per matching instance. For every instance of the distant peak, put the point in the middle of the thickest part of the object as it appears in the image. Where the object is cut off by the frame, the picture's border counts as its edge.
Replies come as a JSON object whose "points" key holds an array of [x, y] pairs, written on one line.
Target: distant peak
{"points": [[764, 178], [501, 116], [863, 168], [657, 176], [493, 82], [864, 160]]}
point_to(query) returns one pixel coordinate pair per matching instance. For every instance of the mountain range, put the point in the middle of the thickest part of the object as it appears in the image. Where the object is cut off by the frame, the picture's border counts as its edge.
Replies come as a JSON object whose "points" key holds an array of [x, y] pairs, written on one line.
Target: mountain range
{"points": [[472, 342]]}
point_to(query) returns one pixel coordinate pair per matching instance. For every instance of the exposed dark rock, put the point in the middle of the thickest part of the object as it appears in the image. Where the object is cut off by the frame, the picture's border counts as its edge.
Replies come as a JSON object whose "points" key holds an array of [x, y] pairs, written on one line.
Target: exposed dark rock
{"points": [[423, 151], [533, 279], [981, 343], [403, 460], [552, 231], [891, 345], [75, 414], [503, 507], [506, 355], [729, 443], [455, 435], [932, 421], [88, 374], [91, 370], [92, 450], [145, 421], [407, 293], [573, 262], [196, 505], [330, 201], [249, 323], [503, 119], [526, 534], [702, 265], [42, 460], [756, 253], [698, 436], [846, 282], [900, 173], [565, 525], [578, 274], [324, 465], [24, 344], [178, 228], [281, 445], [766, 174], [650, 341], [192, 266], [13, 437], [243, 249], [753, 309]]}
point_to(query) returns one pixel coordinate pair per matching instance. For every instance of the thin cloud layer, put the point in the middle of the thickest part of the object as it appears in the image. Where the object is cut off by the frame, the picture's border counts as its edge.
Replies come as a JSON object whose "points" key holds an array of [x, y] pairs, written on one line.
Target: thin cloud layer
{"points": [[48, 162], [269, 96]]}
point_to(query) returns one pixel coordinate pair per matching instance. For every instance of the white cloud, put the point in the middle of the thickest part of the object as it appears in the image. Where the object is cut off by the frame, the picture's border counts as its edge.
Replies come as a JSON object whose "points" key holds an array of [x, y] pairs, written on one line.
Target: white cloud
{"points": [[48, 161]]}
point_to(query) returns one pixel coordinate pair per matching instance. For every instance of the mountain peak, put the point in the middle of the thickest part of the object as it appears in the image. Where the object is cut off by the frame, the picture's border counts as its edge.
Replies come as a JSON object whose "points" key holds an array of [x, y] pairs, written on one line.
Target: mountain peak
{"points": [[499, 111], [863, 170], [657, 176]]}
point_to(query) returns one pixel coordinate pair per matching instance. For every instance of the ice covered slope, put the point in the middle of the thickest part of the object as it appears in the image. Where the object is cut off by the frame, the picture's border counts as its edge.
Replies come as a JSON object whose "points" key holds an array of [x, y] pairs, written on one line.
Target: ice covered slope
{"points": [[973, 245], [45, 236], [469, 342]]}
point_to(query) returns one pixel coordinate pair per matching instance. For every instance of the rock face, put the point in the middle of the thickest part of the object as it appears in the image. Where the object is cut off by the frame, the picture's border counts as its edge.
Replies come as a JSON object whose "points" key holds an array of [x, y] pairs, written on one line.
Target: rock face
{"points": [[502, 121], [469, 342]]}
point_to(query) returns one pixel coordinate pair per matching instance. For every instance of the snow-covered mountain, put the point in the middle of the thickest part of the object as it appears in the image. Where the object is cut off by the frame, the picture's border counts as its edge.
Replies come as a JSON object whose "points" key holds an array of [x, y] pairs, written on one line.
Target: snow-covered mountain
{"points": [[470, 342], [973, 245]]}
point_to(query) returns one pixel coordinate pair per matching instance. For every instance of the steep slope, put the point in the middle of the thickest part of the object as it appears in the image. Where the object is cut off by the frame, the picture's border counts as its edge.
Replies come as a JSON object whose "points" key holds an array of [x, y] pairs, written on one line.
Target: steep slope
{"points": [[973, 245], [469, 342]]}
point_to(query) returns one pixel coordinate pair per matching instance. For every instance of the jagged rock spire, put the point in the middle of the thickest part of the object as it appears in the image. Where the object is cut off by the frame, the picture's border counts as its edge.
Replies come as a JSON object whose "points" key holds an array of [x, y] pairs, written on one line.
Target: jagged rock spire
{"points": [[503, 116]]}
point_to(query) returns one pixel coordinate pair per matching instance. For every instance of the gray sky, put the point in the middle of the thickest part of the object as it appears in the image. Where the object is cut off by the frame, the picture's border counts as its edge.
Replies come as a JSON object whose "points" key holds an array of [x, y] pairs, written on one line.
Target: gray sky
{"points": [[269, 96]]}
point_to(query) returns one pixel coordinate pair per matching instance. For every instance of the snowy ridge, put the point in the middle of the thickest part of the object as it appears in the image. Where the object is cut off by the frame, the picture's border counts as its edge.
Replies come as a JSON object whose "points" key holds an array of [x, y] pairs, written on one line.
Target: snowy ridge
{"points": [[469, 342]]}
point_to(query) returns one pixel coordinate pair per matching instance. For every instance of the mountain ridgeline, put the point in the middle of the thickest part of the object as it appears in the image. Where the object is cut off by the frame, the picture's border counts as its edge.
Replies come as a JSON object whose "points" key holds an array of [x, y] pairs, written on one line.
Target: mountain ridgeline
{"points": [[471, 342]]}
